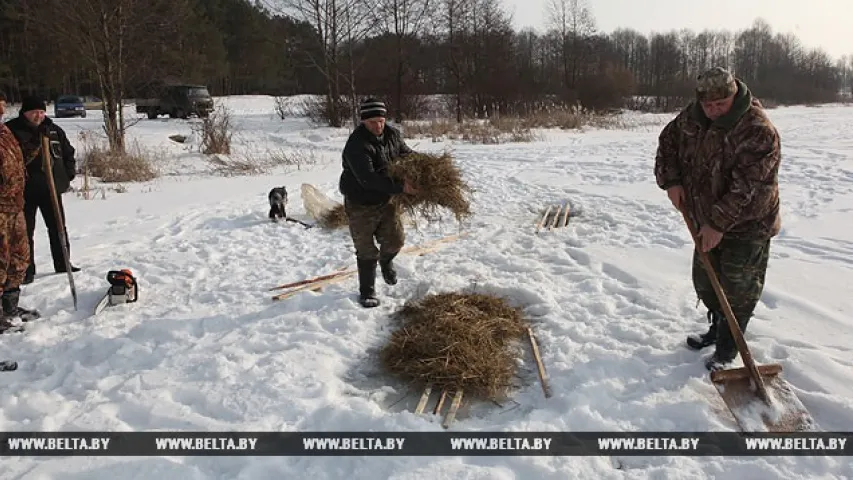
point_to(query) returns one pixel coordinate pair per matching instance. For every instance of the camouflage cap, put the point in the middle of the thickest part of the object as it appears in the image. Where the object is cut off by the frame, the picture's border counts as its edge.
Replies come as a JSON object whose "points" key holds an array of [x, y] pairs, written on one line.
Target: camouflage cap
{"points": [[715, 84]]}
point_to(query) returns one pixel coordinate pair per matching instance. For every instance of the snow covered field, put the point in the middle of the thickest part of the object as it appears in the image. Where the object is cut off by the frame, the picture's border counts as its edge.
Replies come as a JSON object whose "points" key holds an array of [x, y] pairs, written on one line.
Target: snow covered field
{"points": [[206, 349]]}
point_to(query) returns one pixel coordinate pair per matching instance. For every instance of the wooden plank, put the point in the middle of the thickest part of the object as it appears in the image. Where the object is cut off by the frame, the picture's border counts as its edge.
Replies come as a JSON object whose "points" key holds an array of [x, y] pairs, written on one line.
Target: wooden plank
{"points": [[314, 286], [422, 403], [556, 217], [544, 218], [340, 271], [566, 216], [454, 408], [440, 403], [543, 376]]}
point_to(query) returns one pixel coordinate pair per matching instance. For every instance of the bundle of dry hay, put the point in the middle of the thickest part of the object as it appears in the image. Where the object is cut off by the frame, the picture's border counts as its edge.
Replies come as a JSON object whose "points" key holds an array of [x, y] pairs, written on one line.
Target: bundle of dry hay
{"points": [[456, 341], [439, 182], [334, 218]]}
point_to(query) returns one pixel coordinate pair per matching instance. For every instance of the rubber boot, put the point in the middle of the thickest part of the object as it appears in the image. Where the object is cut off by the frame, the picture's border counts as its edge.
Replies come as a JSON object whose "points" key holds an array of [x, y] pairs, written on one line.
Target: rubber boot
{"points": [[6, 325], [366, 283], [726, 347], [11, 309], [9, 301], [389, 273], [698, 342]]}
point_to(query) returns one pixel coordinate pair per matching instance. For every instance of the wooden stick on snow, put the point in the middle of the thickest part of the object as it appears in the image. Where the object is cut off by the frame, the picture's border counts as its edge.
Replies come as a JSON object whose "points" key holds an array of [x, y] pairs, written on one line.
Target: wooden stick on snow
{"points": [[440, 403], [454, 408], [544, 218], [556, 217], [423, 401], [566, 216], [312, 280], [342, 271], [314, 285], [543, 376]]}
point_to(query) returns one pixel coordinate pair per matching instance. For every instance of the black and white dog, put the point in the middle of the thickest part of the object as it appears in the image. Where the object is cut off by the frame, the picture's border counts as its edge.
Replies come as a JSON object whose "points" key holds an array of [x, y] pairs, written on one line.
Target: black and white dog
{"points": [[278, 202]]}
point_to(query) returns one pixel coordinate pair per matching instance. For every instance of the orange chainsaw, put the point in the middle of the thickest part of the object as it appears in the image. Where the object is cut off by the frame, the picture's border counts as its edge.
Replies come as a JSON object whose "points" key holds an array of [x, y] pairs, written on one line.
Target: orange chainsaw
{"points": [[123, 289]]}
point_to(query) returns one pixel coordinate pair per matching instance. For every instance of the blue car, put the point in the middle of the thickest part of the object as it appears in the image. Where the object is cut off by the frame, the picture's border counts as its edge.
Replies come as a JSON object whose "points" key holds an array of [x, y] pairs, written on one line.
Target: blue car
{"points": [[69, 106]]}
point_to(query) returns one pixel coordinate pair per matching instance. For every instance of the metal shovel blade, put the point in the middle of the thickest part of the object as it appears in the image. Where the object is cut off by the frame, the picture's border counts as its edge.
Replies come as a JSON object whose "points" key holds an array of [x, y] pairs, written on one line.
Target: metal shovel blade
{"points": [[784, 412]]}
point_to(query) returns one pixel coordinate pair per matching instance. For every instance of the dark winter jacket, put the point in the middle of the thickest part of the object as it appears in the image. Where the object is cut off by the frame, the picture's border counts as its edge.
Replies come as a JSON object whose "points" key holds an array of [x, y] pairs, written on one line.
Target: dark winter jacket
{"points": [[728, 168], [61, 153], [365, 179]]}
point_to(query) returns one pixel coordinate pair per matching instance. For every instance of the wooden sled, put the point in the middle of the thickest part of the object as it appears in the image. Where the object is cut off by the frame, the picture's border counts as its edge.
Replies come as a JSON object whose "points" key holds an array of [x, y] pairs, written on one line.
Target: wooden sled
{"points": [[316, 203], [557, 218], [450, 416], [757, 396]]}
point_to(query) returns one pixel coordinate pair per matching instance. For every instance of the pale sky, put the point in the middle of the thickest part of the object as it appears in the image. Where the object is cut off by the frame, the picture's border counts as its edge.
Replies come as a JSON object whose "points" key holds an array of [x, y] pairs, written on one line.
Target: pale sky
{"points": [[827, 24]]}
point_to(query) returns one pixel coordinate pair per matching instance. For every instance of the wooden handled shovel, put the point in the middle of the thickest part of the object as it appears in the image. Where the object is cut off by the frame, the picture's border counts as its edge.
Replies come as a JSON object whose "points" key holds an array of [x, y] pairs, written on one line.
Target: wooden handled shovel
{"points": [[47, 166], [776, 408]]}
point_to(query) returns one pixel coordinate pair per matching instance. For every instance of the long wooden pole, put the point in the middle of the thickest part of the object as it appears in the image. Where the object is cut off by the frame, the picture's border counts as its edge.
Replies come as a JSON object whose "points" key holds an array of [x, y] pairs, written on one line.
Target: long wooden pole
{"points": [[60, 225]]}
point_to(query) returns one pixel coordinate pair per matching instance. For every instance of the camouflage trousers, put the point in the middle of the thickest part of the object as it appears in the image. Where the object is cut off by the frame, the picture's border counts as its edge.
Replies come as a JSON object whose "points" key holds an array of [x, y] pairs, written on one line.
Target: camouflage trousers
{"points": [[380, 221], [14, 250], [740, 266]]}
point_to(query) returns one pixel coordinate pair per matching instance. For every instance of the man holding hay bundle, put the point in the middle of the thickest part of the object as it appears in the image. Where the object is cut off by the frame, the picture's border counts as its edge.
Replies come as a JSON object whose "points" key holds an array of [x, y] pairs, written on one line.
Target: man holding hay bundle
{"points": [[367, 188]]}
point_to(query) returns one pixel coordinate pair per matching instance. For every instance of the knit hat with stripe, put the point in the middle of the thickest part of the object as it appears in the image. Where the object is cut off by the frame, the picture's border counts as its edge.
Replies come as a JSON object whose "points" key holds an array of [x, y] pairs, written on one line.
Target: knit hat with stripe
{"points": [[372, 108]]}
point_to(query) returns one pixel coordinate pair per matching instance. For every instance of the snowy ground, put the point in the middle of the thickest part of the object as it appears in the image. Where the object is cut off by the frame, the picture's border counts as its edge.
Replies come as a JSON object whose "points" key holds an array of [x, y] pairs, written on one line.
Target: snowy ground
{"points": [[206, 349]]}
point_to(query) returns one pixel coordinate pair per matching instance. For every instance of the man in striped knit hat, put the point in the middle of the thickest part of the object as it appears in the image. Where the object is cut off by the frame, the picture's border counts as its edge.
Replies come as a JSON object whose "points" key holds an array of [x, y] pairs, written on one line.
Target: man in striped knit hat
{"points": [[367, 188]]}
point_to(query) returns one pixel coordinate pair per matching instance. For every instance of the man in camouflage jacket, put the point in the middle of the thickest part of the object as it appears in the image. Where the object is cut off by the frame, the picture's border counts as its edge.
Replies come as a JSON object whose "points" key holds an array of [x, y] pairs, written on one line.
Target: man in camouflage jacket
{"points": [[718, 161], [14, 248]]}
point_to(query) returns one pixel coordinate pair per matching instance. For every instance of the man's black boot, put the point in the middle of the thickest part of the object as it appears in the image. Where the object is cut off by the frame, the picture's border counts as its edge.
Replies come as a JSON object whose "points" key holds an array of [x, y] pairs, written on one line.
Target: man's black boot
{"points": [[30, 275], [62, 269], [366, 281], [389, 273], [698, 342], [726, 350]]}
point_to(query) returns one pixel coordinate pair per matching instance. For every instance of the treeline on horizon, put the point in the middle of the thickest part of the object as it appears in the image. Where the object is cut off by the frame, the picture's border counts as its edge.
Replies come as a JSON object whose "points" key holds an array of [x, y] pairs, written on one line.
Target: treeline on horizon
{"points": [[402, 50]]}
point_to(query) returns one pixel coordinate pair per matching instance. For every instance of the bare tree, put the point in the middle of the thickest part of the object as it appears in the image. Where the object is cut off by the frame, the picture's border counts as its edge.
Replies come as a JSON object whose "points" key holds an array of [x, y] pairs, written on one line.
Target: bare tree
{"points": [[573, 21], [113, 37], [454, 22], [402, 20], [359, 23], [847, 67], [687, 44], [490, 49], [337, 24], [633, 48], [850, 75], [666, 61], [751, 50]]}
